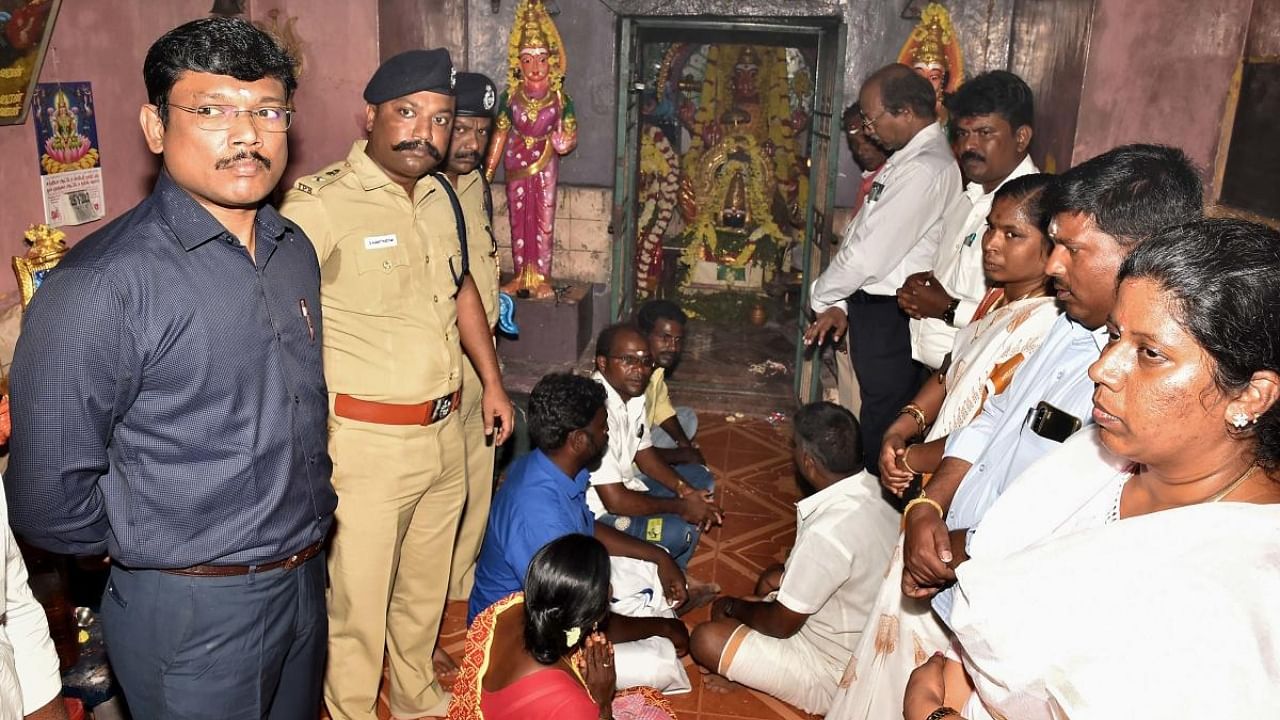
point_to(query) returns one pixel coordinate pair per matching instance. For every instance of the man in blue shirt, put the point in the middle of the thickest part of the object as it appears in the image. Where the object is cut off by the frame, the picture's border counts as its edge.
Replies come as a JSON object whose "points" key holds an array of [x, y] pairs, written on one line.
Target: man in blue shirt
{"points": [[169, 405], [544, 498]]}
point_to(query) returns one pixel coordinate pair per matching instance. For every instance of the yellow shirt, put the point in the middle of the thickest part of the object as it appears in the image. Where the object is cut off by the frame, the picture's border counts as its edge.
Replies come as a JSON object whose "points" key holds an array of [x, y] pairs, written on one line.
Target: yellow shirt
{"points": [[657, 401], [482, 248], [387, 287]]}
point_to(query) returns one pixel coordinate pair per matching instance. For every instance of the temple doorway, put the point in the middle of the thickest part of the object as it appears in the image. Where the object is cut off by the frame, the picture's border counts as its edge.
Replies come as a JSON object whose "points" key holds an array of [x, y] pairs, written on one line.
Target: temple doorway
{"points": [[724, 190]]}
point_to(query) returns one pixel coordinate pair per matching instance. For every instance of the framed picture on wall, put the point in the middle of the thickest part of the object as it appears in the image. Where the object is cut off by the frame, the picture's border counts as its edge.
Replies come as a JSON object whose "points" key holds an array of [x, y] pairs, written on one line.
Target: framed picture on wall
{"points": [[25, 29]]}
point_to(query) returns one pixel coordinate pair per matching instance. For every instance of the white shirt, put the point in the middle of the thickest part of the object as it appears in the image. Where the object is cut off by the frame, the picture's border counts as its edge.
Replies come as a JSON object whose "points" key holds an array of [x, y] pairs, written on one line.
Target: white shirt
{"points": [[845, 535], [896, 232], [958, 267], [1000, 443], [628, 435], [29, 676]]}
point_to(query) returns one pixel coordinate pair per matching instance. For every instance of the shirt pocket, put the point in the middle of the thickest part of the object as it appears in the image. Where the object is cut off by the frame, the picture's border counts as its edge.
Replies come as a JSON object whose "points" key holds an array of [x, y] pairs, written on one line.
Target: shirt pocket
{"points": [[385, 276]]}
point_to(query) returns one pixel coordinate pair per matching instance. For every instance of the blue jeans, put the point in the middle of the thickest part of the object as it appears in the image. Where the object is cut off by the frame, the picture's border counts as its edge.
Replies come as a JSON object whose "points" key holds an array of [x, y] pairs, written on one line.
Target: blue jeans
{"points": [[676, 535], [245, 647], [688, 420]]}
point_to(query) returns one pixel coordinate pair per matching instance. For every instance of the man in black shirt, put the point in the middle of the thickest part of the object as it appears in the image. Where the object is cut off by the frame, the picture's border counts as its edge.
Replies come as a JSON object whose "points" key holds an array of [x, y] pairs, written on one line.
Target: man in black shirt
{"points": [[169, 405]]}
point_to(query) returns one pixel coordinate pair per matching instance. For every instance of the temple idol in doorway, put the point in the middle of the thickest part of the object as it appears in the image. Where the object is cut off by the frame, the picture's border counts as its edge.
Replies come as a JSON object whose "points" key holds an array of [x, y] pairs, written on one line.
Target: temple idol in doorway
{"points": [[726, 143], [535, 126]]}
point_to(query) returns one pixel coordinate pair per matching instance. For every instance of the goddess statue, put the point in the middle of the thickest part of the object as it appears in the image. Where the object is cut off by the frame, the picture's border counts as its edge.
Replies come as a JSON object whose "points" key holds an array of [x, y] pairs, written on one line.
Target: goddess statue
{"points": [[744, 158], [534, 127], [933, 51]]}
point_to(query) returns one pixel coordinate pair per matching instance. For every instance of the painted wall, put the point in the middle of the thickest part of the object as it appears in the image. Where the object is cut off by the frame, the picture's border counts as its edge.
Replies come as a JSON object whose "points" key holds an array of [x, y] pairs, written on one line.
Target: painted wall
{"points": [[1264, 29], [1049, 47], [105, 44], [1160, 71]]}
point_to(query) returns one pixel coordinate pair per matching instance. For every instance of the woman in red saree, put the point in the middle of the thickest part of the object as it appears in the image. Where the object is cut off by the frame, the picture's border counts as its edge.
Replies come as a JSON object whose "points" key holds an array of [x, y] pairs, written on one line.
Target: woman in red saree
{"points": [[539, 655]]}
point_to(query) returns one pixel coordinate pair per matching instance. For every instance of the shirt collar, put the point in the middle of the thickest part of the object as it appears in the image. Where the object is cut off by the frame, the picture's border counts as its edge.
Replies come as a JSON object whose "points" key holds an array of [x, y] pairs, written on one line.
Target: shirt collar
{"points": [[572, 487], [918, 144], [859, 485], [194, 225], [1082, 334], [612, 398], [974, 190]]}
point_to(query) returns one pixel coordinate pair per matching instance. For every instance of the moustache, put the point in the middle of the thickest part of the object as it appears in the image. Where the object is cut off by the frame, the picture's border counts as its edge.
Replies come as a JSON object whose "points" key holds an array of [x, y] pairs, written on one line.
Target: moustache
{"points": [[406, 145], [469, 156], [254, 155], [971, 155]]}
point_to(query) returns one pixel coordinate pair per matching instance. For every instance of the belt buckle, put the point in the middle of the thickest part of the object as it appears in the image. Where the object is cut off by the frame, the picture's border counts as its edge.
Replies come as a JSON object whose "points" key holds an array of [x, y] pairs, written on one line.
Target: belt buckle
{"points": [[441, 408]]}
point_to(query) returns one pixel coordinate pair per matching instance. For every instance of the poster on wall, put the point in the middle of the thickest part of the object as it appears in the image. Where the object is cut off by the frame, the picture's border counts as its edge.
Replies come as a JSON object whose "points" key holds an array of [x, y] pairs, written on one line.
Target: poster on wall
{"points": [[25, 29], [67, 143]]}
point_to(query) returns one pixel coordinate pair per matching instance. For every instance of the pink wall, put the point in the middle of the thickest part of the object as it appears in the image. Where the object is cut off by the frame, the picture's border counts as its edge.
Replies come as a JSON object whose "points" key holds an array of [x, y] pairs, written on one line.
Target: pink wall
{"points": [[1159, 71], [105, 43]]}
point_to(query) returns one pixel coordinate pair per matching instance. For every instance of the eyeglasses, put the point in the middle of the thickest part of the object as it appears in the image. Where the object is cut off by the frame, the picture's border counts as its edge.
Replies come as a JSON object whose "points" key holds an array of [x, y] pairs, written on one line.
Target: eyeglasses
{"points": [[634, 361], [220, 117], [870, 123]]}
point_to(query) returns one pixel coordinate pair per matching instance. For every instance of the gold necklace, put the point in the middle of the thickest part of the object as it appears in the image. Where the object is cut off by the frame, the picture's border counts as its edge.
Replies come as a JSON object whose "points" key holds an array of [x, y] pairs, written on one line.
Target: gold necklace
{"points": [[533, 106], [1232, 485]]}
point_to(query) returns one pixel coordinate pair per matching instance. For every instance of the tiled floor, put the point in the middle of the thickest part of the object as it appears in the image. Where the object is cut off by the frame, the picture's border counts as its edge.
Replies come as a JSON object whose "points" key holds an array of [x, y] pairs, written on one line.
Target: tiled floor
{"points": [[753, 461]]}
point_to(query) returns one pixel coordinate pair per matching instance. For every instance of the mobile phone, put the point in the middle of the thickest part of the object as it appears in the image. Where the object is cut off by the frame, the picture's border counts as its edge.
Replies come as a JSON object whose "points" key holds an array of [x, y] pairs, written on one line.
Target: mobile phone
{"points": [[1053, 423], [915, 488]]}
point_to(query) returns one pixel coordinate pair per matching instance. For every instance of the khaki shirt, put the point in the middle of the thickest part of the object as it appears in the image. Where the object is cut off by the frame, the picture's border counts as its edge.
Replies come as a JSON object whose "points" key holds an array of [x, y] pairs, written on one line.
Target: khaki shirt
{"points": [[473, 196], [657, 399], [386, 285]]}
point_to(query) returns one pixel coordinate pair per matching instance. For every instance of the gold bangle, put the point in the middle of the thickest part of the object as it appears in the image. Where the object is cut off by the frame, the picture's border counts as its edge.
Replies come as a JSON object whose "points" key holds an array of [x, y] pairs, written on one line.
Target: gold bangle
{"points": [[917, 413], [905, 452], [922, 500]]}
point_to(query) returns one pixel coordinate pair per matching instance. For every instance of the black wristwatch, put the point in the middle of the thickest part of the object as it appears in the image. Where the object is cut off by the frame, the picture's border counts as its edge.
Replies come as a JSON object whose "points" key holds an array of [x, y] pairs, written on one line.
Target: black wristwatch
{"points": [[949, 315]]}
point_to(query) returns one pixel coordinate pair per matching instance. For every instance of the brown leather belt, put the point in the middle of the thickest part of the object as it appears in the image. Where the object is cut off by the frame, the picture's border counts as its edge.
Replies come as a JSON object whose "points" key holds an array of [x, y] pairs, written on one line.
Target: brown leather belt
{"points": [[423, 413], [288, 563]]}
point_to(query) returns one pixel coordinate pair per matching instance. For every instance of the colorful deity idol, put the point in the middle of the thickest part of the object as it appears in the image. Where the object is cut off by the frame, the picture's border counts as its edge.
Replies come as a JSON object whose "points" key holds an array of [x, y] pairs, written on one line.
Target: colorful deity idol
{"points": [[933, 51], [535, 126]]}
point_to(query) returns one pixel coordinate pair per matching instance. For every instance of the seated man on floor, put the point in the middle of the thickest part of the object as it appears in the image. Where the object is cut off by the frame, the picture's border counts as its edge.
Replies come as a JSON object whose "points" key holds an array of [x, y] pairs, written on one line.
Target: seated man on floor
{"points": [[672, 428], [634, 489], [544, 498], [794, 638]]}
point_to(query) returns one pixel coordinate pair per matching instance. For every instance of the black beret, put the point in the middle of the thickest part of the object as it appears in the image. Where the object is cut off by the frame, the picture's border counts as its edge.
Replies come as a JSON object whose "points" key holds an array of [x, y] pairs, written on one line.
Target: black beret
{"points": [[477, 97], [410, 72]]}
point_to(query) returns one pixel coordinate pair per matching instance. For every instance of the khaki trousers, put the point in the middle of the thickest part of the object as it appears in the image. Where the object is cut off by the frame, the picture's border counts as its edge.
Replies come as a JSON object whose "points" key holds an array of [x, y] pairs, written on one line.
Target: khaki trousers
{"points": [[400, 492], [475, 513]]}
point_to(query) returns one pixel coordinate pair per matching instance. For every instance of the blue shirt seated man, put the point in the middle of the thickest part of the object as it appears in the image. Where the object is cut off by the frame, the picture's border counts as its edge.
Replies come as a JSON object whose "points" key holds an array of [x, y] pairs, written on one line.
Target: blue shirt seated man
{"points": [[544, 498]]}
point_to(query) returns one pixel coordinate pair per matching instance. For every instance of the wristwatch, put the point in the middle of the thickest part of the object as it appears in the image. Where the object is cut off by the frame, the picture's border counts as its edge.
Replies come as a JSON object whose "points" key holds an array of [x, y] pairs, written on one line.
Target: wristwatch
{"points": [[949, 315]]}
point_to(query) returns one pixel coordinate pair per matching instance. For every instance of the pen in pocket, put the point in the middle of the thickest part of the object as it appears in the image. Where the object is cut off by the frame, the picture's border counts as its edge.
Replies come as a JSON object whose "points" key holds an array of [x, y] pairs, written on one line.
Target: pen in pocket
{"points": [[306, 316]]}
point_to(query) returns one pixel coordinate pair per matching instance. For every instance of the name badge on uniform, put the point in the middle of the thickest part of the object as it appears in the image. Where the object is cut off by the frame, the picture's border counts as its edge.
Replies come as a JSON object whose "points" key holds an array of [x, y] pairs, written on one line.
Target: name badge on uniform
{"points": [[876, 190], [968, 239], [378, 242]]}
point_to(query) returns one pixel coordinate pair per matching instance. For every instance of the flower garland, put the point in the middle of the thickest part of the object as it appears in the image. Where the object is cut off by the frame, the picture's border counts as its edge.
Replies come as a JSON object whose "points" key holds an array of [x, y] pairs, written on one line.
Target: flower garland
{"points": [[659, 185]]}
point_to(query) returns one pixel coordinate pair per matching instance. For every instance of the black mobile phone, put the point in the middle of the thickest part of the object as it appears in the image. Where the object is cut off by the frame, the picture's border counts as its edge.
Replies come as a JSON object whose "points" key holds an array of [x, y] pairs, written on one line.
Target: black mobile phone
{"points": [[914, 489], [1050, 422]]}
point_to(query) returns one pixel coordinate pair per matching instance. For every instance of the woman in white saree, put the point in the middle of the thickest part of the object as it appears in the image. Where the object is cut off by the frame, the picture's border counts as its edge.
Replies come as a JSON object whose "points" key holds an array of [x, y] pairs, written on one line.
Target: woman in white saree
{"points": [[1134, 571], [1013, 318]]}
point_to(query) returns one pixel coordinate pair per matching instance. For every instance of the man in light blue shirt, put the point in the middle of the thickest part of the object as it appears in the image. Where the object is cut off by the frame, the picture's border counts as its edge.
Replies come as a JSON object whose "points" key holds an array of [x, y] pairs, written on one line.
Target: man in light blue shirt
{"points": [[1100, 209]]}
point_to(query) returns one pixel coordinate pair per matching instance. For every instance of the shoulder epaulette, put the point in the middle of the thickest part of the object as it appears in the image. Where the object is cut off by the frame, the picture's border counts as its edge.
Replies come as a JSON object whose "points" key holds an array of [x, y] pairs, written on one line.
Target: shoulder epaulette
{"points": [[312, 184]]}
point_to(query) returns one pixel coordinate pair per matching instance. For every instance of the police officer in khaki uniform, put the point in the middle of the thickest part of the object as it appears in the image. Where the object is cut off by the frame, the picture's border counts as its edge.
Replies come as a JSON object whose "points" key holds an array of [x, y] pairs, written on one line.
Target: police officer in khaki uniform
{"points": [[472, 123], [400, 307]]}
